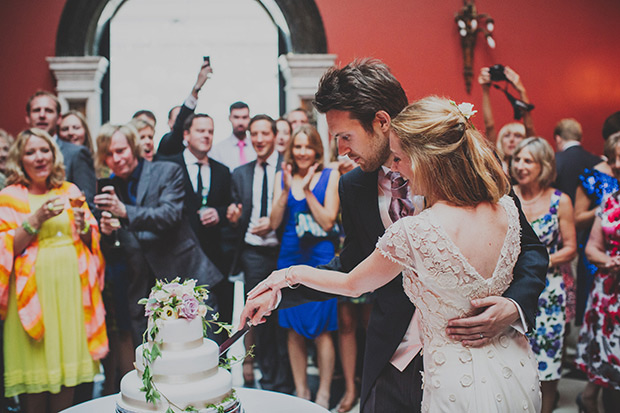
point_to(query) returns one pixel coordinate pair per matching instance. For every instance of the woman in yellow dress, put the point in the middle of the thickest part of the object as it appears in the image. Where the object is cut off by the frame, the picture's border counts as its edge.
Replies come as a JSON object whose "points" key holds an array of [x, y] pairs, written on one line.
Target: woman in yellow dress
{"points": [[51, 275]]}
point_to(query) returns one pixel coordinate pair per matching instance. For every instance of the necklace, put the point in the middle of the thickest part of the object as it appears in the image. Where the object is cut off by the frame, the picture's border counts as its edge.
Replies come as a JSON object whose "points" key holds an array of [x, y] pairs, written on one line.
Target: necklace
{"points": [[530, 201]]}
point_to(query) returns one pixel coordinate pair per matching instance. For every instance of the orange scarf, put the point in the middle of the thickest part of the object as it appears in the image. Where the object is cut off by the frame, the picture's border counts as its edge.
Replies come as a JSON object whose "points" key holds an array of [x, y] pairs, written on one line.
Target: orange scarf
{"points": [[14, 209]]}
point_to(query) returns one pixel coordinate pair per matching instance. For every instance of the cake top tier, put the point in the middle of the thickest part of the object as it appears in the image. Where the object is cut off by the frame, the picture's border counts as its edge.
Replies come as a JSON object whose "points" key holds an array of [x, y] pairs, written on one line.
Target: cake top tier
{"points": [[176, 299]]}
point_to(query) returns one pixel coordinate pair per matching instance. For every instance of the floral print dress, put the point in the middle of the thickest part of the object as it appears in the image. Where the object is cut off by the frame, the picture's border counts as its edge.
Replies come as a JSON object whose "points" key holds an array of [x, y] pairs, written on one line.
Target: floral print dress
{"points": [[547, 338], [598, 348]]}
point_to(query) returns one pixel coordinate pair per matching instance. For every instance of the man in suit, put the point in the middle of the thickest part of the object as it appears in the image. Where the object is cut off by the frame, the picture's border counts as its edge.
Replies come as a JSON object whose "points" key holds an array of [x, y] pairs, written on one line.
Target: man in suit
{"points": [[43, 112], [359, 101], [147, 198], [236, 150], [207, 196], [258, 248], [571, 159], [172, 142]]}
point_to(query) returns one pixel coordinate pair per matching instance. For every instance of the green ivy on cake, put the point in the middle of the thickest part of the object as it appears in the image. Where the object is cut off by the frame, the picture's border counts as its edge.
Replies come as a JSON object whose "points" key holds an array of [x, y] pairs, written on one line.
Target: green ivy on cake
{"points": [[171, 301]]}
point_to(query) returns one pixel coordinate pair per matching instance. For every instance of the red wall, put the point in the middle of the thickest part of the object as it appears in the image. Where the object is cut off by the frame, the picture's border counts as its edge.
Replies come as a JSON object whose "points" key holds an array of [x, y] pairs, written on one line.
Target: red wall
{"points": [[27, 37], [565, 51]]}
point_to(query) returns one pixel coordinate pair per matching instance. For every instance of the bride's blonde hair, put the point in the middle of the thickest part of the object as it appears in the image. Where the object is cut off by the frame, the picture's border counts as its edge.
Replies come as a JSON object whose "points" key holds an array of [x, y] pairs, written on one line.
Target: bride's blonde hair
{"points": [[450, 159]]}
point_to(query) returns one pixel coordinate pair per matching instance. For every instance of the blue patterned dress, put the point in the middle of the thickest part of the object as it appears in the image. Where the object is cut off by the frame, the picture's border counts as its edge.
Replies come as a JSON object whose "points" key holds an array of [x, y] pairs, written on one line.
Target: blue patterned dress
{"points": [[310, 319], [547, 338], [597, 186]]}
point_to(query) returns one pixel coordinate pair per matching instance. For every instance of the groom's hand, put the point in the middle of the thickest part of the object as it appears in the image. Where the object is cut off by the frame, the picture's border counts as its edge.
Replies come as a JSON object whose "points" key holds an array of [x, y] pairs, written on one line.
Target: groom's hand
{"points": [[498, 313], [259, 307]]}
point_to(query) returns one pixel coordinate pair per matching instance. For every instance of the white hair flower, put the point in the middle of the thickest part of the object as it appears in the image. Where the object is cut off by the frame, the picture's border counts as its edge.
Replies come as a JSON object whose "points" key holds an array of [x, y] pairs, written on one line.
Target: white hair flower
{"points": [[467, 109]]}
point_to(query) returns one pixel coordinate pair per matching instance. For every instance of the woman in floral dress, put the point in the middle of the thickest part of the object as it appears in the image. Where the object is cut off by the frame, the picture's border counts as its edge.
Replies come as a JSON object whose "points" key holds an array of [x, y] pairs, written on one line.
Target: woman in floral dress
{"points": [[550, 212], [598, 348]]}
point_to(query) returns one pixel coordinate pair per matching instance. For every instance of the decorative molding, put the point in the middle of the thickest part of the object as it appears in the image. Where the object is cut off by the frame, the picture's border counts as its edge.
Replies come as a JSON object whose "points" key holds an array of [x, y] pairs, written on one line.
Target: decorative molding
{"points": [[302, 73], [78, 84]]}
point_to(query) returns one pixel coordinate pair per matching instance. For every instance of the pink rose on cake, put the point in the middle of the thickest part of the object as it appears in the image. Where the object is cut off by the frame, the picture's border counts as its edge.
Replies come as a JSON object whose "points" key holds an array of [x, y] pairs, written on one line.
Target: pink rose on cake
{"points": [[188, 307]]}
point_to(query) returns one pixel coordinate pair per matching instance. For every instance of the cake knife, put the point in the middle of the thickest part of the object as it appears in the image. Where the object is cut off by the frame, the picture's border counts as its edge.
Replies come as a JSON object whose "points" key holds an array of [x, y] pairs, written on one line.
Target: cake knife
{"points": [[234, 338]]}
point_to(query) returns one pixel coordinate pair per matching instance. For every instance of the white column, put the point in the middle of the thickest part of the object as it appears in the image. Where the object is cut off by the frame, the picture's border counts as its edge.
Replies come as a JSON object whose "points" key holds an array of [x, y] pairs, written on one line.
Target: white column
{"points": [[302, 73], [78, 84]]}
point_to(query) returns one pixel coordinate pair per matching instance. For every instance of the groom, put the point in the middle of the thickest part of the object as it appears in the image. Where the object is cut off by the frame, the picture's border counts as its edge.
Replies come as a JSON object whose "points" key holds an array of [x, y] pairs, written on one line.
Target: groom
{"points": [[359, 101]]}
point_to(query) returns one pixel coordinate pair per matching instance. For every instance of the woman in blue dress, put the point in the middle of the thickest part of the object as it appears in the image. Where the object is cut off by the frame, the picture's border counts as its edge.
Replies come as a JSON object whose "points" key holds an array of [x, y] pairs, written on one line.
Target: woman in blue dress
{"points": [[550, 212], [307, 202]]}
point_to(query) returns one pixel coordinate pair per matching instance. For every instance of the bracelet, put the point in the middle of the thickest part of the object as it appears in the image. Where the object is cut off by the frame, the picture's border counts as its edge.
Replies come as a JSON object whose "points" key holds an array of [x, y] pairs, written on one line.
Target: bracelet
{"points": [[86, 228], [30, 230], [286, 279]]}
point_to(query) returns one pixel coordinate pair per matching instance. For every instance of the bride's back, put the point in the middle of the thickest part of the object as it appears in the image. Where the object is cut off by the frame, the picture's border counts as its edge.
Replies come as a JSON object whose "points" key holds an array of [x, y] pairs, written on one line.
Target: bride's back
{"points": [[478, 232]]}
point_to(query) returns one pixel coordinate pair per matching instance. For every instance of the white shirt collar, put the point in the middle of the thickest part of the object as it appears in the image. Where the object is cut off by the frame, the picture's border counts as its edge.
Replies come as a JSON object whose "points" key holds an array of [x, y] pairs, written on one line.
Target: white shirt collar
{"points": [[190, 159]]}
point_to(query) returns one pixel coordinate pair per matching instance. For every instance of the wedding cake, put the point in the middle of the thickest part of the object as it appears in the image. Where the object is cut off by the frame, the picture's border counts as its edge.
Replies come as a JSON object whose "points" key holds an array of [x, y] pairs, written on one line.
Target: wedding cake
{"points": [[176, 368]]}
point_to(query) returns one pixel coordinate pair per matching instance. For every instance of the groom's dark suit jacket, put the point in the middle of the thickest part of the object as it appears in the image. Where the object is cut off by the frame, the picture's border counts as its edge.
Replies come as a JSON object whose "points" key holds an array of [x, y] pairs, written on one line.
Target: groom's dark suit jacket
{"points": [[392, 310]]}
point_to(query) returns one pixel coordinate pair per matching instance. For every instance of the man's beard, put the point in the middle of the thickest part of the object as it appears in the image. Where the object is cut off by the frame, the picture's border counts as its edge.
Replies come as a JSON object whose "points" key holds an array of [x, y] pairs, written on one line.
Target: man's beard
{"points": [[380, 154]]}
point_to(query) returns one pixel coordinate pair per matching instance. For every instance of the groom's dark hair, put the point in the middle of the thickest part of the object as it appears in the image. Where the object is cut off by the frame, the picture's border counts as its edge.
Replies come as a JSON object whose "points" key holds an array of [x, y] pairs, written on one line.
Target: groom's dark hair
{"points": [[362, 88]]}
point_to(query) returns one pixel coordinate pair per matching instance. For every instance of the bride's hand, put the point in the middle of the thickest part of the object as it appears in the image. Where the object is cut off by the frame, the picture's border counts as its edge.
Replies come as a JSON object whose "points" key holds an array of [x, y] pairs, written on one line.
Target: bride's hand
{"points": [[276, 281]]}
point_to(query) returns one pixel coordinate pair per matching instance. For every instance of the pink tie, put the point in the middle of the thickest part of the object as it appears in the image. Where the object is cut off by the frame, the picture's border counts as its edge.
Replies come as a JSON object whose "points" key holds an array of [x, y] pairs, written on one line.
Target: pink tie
{"points": [[400, 204], [241, 145]]}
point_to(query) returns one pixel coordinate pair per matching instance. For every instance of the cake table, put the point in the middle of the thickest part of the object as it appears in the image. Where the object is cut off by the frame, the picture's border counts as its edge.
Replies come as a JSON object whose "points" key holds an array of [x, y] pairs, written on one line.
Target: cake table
{"points": [[252, 400]]}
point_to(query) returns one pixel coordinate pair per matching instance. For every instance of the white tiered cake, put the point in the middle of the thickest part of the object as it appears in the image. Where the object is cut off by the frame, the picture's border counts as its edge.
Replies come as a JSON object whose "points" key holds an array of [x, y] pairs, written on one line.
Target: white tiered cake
{"points": [[185, 374]]}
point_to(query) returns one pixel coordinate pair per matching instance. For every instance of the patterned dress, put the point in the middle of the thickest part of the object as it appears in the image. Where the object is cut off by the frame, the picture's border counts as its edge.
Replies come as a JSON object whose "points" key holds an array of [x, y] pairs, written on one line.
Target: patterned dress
{"points": [[597, 186], [598, 348], [547, 338]]}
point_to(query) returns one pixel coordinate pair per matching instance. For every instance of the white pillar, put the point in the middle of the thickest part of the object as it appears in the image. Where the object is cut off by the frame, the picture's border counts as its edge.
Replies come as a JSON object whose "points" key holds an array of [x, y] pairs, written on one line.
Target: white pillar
{"points": [[302, 73], [78, 84]]}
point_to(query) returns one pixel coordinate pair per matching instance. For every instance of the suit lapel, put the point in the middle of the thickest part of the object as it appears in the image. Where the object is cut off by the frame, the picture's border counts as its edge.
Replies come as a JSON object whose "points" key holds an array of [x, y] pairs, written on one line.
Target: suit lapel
{"points": [[144, 182], [366, 192]]}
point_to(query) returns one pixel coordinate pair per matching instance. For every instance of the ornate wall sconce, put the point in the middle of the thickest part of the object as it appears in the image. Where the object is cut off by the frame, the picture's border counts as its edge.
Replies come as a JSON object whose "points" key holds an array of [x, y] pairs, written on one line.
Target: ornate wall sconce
{"points": [[469, 23]]}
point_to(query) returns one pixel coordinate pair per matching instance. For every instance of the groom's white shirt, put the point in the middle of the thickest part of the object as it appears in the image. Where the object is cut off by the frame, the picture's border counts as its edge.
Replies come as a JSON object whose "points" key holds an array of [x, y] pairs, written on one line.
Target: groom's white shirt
{"points": [[411, 343]]}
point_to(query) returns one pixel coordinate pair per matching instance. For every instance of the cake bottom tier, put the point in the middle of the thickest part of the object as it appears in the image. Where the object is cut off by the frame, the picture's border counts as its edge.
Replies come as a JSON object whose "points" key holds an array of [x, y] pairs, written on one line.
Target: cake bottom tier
{"points": [[198, 394]]}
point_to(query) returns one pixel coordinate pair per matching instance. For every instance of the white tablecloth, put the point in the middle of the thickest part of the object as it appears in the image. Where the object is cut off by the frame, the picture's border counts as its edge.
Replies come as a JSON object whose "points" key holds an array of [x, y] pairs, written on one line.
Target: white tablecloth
{"points": [[252, 400]]}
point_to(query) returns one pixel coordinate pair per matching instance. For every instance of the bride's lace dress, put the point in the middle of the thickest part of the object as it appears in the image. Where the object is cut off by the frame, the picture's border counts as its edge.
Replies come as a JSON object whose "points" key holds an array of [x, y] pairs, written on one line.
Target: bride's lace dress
{"points": [[499, 377]]}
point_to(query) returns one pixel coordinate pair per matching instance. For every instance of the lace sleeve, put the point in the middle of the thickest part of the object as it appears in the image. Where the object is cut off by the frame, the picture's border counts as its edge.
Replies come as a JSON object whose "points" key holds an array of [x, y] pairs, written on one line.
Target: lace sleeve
{"points": [[395, 245]]}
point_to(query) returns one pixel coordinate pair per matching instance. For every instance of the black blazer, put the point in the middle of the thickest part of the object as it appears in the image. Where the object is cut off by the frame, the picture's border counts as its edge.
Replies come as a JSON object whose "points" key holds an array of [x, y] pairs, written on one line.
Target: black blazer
{"points": [[392, 310], [569, 164], [210, 238], [172, 142], [242, 181]]}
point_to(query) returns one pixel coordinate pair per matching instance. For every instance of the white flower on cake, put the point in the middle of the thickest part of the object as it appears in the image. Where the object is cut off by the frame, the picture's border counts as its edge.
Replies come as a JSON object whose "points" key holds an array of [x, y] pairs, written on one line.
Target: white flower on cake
{"points": [[168, 313]]}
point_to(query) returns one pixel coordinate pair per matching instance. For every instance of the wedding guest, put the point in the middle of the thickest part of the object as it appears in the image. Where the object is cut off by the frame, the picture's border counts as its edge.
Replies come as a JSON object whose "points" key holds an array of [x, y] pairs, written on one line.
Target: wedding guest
{"points": [[595, 184], [611, 125], [237, 149], [74, 129], [550, 213], [513, 132], [297, 117], [306, 200], [52, 276], [284, 134], [6, 141], [598, 353], [145, 115], [143, 215], [146, 131], [467, 200], [43, 111], [256, 251], [172, 143]]}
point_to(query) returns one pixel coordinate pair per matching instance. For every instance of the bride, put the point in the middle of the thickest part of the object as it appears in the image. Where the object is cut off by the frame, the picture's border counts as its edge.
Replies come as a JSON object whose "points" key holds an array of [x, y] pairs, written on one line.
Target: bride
{"points": [[463, 247]]}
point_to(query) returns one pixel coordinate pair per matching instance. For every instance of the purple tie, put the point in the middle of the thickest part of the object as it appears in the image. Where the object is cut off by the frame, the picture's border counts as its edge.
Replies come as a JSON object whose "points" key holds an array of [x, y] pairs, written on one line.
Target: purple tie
{"points": [[400, 204]]}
